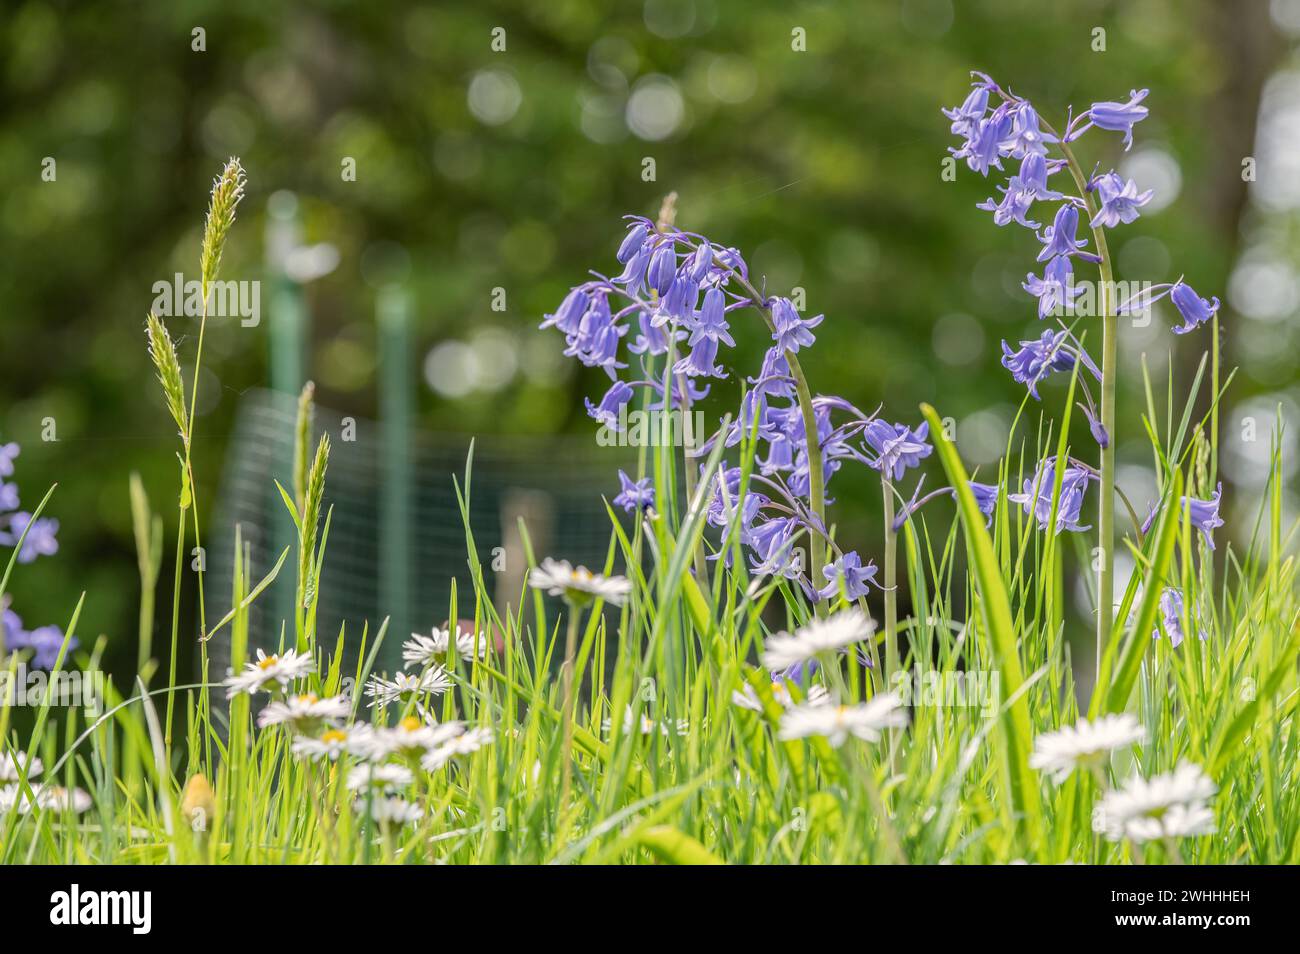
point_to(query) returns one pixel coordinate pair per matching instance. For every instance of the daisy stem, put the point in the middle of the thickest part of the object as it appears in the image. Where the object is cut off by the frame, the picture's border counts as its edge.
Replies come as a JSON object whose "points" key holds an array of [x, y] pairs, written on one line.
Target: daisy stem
{"points": [[566, 749], [1109, 360]]}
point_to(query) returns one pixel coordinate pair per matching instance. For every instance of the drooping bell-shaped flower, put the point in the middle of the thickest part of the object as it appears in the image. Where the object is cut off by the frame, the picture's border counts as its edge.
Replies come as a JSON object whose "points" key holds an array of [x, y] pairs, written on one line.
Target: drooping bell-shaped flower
{"points": [[1194, 309], [1056, 290], [1059, 237], [1119, 200], [1120, 117]]}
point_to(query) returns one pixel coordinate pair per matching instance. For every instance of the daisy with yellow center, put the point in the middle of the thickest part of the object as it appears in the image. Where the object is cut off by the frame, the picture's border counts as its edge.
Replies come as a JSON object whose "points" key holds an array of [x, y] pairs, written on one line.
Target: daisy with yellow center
{"points": [[275, 671]]}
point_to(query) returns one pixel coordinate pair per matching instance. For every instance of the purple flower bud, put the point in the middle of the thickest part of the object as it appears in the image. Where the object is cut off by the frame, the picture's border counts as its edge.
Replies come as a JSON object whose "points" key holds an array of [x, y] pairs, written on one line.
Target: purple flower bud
{"points": [[697, 267], [663, 266], [632, 242]]}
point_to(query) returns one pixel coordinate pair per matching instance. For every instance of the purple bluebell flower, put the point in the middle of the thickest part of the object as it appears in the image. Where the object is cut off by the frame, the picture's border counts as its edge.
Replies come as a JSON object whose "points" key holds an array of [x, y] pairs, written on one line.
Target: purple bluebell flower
{"points": [[7, 454], [652, 339], [636, 494], [897, 447], [774, 378], [1194, 309], [45, 642], [1036, 360], [681, 300], [8, 497], [701, 261], [773, 546], [792, 332], [607, 412], [1031, 180], [1013, 207], [663, 267], [568, 317], [1120, 200], [710, 327], [1026, 139], [982, 148], [1037, 498], [1095, 427], [986, 498], [1120, 117], [1202, 514], [1059, 237], [798, 672], [595, 343], [633, 242], [11, 628], [1172, 609], [1056, 290], [967, 117], [633, 275], [41, 540], [852, 573]]}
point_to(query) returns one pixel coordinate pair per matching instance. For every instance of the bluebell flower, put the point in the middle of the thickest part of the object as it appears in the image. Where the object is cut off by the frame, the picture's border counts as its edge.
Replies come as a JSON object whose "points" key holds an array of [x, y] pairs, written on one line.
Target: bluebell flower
{"points": [[897, 447], [774, 378], [709, 328], [568, 317], [41, 539], [7, 454], [982, 148], [773, 545], [595, 343], [1095, 427], [849, 570], [663, 267], [652, 339], [1037, 498], [1056, 290], [1036, 360], [681, 300], [792, 332], [1059, 237], [1172, 609], [607, 412], [11, 627], [701, 261], [633, 275], [986, 498], [45, 642], [1194, 309], [1031, 180], [1120, 117], [1202, 514], [966, 117], [1026, 139], [8, 497], [1120, 200], [633, 242], [636, 494], [1013, 207]]}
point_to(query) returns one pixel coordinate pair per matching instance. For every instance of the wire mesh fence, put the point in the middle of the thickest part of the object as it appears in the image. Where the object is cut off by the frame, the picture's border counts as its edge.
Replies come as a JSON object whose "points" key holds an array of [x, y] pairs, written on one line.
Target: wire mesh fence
{"points": [[377, 567]]}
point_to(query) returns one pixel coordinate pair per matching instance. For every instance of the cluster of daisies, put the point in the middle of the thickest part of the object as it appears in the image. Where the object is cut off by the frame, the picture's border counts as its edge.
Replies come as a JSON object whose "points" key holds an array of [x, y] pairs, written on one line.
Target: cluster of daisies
{"points": [[1161, 808], [17, 767], [383, 762]]}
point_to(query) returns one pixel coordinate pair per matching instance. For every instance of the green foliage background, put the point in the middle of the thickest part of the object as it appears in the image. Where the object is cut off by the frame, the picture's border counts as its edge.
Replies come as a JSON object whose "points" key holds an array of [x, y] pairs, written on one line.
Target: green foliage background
{"points": [[823, 166]]}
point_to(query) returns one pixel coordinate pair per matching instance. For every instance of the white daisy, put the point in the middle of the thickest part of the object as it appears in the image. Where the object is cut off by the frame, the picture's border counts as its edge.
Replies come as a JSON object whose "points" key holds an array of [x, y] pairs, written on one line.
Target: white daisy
{"points": [[578, 586], [391, 810], [279, 668], [820, 635], [379, 777], [1172, 805], [48, 798], [648, 725], [864, 721], [1084, 744], [329, 745], [747, 698], [409, 737], [305, 712], [463, 743], [422, 651], [383, 692], [11, 761]]}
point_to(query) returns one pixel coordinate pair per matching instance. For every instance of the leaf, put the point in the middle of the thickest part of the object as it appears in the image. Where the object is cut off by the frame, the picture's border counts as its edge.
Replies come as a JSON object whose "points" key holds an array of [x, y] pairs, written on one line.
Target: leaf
{"points": [[676, 847]]}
